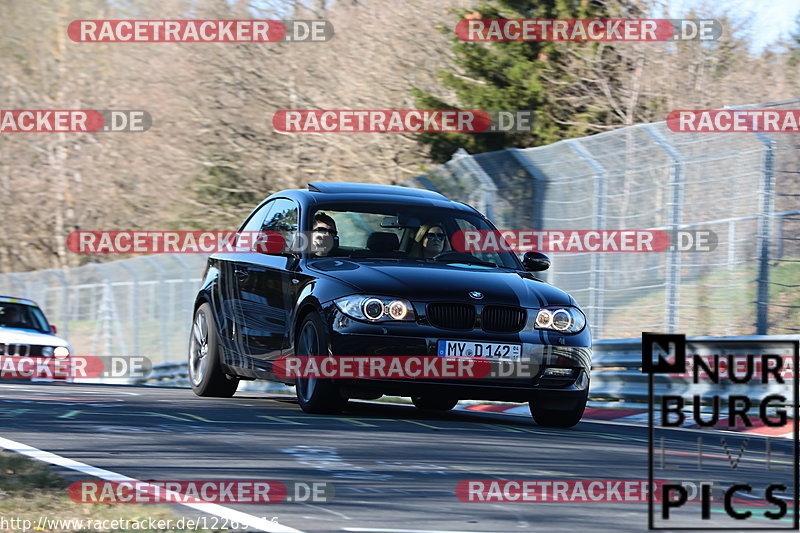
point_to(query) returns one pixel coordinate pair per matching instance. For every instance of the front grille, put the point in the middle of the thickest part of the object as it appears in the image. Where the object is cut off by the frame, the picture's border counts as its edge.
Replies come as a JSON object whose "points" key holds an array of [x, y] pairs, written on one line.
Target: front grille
{"points": [[24, 350], [451, 316], [502, 319]]}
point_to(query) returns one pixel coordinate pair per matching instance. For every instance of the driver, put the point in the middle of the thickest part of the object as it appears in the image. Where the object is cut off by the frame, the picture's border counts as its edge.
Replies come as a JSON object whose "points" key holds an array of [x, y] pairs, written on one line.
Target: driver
{"points": [[430, 240], [323, 235]]}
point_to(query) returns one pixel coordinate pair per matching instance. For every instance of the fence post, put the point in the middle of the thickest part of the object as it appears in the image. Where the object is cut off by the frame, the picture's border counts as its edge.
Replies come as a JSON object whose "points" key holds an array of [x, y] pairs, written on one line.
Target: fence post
{"points": [[779, 237], [539, 182], [64, 318], [540, 179], [672, 292], [161, 309], [597, 276], [107, 316], [731, 244], [134, 316], [487, 187], [18, 283], [766, 208], [182, 313]]}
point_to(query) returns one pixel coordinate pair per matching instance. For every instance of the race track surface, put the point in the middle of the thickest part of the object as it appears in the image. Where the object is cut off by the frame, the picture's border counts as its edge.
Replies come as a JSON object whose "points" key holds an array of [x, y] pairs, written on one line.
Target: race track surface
{"points": [[393, 467]]}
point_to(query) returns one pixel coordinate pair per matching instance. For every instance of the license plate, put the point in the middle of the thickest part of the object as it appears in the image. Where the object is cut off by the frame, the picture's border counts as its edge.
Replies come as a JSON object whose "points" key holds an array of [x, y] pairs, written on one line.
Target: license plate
{"points": [[498, 351]]}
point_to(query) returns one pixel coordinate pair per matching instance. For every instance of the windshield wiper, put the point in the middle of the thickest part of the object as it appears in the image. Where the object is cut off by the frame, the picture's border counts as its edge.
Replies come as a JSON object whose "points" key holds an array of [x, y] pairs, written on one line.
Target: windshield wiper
{"points": [[470, 262], [479, 262]]}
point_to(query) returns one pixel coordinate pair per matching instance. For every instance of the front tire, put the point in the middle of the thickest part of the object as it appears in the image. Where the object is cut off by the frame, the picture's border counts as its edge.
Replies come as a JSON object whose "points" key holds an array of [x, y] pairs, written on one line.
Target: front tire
{"points": [[557, 418], [318, 396], [206, 374], [428, 403]]}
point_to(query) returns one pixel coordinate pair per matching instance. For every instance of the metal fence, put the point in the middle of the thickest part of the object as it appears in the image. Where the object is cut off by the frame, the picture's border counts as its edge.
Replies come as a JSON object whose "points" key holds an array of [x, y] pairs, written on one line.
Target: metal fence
{"points": [[138, 306], [745, 187]]}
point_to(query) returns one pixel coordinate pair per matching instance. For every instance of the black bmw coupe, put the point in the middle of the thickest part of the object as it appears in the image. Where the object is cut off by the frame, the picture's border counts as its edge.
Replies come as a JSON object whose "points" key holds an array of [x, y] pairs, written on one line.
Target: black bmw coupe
{"points": [[371, 270]]}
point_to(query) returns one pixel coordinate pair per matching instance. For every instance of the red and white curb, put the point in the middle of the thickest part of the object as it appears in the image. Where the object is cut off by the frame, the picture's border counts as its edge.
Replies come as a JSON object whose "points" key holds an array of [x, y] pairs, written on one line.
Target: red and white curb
{"points": [[640, 416]]}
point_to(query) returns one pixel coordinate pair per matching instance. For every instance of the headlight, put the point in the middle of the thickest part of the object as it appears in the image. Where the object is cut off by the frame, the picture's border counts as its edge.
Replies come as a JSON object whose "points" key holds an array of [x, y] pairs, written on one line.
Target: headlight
{"points": [[375, 308], [61, 351], [563, 319], [47, 351]]}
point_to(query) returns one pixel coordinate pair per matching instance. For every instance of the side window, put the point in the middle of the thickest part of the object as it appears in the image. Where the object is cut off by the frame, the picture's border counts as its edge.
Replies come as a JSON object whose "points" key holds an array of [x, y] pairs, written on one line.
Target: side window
{"points": [[492, 257], [254, 223], [282, 217]]}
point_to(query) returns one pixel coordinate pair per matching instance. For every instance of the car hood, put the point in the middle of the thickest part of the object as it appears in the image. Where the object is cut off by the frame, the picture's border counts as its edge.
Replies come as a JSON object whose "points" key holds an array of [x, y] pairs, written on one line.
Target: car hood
{"points": [[430, 282], [26, 336]]}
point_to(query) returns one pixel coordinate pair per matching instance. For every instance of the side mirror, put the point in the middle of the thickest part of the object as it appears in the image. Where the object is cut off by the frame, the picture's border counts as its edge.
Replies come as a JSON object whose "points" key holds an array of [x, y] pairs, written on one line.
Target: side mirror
{"points": [[53, 329], [535, 261]]}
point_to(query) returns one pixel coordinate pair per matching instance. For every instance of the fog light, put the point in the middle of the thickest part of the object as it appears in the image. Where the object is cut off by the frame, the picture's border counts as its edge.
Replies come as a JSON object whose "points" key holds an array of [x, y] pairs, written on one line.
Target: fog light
{"points": [[559, 372]]}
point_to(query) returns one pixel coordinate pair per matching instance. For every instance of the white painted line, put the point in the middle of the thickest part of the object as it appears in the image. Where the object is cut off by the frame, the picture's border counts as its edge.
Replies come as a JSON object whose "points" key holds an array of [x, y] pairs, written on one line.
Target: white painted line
{"points": [[208, 508], [54, 391], [335, 513]]}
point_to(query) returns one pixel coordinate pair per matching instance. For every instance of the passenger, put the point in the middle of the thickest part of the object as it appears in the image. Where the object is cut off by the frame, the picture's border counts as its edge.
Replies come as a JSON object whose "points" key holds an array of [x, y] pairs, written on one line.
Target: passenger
{"points": [[429, 241]]}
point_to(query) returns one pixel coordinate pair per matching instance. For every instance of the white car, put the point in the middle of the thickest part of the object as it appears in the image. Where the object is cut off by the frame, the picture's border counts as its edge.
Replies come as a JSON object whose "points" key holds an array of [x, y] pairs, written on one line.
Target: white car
{"points": [[25, 333]]}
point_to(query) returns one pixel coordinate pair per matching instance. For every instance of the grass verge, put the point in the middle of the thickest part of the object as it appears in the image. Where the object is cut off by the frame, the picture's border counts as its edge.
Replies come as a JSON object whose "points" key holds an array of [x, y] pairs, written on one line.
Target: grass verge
{"points": [[31, 492]]}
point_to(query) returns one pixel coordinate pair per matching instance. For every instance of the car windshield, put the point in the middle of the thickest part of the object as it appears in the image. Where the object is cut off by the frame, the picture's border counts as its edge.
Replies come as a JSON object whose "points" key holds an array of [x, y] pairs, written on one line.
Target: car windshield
{"points": [[22, 316], [392, 231]]}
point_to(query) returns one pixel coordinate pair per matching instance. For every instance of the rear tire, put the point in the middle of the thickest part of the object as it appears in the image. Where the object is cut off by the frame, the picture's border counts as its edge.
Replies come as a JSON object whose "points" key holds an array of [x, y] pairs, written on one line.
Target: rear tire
{"points": [[206, 374], [316, 396], [559, 418], [429, 403]]}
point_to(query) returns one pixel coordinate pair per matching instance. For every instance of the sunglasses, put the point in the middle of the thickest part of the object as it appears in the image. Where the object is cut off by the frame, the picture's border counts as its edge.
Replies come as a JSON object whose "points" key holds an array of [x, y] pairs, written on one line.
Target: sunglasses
{"points": [[439, 236]]}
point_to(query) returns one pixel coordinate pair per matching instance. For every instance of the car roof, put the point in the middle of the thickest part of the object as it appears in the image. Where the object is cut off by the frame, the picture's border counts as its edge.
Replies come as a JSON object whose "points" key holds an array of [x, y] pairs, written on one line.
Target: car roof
{"points": [[332, 191], [344, 187], [17, 300]]}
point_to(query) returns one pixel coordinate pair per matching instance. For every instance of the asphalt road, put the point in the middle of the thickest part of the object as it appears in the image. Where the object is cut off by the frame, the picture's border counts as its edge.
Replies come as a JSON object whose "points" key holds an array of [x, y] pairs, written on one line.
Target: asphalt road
{"points": [[393, 468]]}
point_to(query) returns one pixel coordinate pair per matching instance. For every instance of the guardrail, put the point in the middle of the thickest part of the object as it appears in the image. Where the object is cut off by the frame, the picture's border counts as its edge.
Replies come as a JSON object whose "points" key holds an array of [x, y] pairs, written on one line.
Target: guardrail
{"points": [[176, 374], [617, 376]]}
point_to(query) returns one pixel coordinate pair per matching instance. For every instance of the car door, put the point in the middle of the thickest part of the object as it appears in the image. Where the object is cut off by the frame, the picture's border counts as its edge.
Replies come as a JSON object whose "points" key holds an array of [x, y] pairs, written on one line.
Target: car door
{"points": [[265, 288], [232, 320]]}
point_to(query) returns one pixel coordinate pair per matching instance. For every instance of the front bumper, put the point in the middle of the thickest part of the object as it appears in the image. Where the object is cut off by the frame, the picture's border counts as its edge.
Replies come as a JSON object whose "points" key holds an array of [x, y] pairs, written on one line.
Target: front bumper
{"points": [[540, 350]]}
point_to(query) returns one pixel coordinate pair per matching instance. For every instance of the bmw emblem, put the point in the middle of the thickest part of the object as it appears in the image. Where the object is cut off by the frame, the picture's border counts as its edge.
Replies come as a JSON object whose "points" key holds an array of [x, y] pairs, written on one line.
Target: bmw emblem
{"points": [[476, 295]]}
